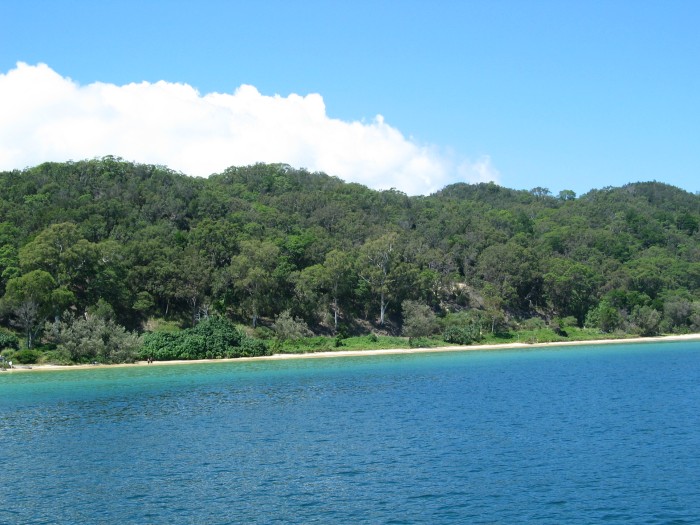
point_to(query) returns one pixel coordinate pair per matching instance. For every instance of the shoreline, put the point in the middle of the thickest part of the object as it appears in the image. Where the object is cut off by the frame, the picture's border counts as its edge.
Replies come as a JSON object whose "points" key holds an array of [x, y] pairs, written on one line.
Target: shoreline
{"points": [[360, 353]]}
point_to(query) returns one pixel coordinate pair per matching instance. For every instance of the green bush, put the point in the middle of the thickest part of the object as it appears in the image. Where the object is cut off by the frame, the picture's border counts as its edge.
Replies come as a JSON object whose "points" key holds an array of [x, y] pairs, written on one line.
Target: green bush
{"points": [[461, 335], [96, 339], [159, 346], [218, 336], [288, 328], [605, 317], [169, 346], [534, 323], [419, 342], [418, 319], [569, 321], [27, 356], [254, 347], [263, 332], [8, 340], [557, 326], [56, 357], [645, 320], [213, 338]]}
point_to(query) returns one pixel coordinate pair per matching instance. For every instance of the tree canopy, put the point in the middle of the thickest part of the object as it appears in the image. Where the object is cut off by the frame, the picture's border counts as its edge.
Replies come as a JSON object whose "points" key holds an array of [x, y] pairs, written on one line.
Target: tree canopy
{"points": [[255, 242]]}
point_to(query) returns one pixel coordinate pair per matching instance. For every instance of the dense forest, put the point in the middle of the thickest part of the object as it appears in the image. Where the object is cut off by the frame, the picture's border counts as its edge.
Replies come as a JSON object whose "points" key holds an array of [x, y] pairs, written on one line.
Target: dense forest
{"points": [[106, 250]]}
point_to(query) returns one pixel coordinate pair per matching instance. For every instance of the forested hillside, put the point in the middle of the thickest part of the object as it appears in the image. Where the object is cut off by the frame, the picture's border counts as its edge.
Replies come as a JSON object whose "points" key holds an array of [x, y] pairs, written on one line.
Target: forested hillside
{"points": [[132, 243]]}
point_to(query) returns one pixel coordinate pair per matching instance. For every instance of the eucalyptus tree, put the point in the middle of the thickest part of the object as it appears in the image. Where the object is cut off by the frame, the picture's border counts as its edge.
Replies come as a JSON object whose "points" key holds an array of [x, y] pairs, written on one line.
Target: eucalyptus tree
{"points": [[570, 288], [32, 298], [377, 264], [252, 276], [329, 282]]}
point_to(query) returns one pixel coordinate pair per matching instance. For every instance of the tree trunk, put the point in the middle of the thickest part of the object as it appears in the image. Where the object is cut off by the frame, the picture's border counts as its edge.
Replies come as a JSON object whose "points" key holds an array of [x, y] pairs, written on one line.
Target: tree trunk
{"points": [[193, 302], [382, 308], [335, 315]]}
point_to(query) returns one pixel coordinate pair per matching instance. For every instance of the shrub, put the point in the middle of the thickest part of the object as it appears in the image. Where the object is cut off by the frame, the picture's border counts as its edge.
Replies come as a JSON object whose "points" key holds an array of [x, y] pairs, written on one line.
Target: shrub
{"points": [[534, 323], [418, 319], [263, 332], [254, 347], [605, 317], [27, 356], [646, 320], [8, 340], [463, 335], [557, 326], [159, 346], [419, 342], [569, 321], [96, 339], [56, 357], [288, 328], [213, 338], [217, 336]]}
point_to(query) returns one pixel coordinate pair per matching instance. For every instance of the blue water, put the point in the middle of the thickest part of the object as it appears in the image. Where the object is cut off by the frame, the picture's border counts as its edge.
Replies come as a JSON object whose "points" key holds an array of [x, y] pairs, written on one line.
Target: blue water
{"points": [[578, 435]]}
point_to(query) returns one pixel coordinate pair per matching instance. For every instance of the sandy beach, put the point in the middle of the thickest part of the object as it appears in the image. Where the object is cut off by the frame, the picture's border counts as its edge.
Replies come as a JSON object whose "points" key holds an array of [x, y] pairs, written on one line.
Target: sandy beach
{"points": [[355, 353]]}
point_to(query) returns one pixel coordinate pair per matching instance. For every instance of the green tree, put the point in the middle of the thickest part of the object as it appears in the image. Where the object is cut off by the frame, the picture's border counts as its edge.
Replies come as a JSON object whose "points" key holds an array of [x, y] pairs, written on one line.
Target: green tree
{"points": [[252, 276], [94, 338], [8, 340], [646, 320], [331, 280], [377, 262], [54, 251], [194, 276], [9, 265], [514, 273], [71, 260], [418, 319], [32, 298], [153, 269], [605, 317], [566, 195], [677, 313], [570, 288], [288, 328]]}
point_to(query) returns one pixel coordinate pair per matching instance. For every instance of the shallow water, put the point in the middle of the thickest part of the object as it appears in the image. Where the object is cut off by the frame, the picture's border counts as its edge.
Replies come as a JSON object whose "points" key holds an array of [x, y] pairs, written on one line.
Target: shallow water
{"points": [[578, 435]]}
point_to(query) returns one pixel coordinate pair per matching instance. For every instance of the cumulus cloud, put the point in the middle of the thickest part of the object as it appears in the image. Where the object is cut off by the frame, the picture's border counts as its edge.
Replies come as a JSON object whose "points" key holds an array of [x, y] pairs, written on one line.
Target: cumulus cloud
{"points": [[47, 117], [480, 170]]}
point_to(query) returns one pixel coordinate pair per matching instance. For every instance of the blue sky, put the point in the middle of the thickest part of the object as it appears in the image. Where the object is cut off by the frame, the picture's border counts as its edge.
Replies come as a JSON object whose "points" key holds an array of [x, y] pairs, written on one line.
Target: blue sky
{"points": [[563, 95]]}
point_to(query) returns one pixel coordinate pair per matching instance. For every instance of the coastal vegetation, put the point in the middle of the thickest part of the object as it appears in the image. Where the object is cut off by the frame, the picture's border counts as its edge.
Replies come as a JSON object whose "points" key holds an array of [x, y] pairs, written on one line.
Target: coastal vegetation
{"points": [[109, 261]]}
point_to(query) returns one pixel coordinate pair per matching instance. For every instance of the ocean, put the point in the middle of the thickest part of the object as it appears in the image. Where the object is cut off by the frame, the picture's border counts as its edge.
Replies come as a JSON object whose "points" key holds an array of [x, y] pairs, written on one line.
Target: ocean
{"points": [[575, 435]]}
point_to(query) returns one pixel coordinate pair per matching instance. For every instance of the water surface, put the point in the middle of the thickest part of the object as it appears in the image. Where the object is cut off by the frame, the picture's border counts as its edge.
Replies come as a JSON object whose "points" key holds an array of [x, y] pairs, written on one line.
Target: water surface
{"points": [[583, 435]]}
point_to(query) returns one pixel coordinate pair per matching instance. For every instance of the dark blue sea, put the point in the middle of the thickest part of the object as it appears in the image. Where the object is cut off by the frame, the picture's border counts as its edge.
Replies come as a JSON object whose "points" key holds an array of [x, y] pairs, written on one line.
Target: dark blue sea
{"points": [[581, 435]]}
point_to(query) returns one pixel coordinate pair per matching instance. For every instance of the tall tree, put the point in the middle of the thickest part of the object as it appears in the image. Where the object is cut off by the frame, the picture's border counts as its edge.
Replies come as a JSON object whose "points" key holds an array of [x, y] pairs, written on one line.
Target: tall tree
{"points": [[331, 280], [195, 276], [252, 276], [570, 288], [377, 261], [32, 298]]}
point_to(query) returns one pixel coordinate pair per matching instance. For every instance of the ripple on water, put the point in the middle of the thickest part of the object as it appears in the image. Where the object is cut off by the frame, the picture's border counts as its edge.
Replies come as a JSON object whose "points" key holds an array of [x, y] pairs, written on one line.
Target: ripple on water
{"points": [[588, 435]]}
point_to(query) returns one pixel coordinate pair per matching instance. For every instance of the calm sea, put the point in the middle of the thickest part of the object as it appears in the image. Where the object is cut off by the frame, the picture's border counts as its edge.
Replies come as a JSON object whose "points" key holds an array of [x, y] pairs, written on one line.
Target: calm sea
{"points": [[563, 436]]}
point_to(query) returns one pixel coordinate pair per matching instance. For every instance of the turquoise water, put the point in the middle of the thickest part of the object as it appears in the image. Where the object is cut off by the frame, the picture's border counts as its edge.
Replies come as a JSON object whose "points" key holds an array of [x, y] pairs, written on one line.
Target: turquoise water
{"points": [[582, 435]]}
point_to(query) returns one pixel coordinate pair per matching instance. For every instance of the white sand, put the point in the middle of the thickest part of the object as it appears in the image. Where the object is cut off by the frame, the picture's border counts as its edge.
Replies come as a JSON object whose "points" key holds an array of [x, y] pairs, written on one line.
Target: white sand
{"points": [[351, 353]]}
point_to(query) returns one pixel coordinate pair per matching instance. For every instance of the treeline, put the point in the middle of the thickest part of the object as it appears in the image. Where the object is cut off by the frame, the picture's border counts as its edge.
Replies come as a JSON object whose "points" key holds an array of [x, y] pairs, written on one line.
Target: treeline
{"points": [[132, 243]]}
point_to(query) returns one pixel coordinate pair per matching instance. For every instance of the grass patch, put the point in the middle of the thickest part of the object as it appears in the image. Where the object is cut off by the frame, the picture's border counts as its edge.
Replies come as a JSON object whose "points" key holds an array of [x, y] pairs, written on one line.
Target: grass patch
{"points": [[374, 342], [547, 335], [331, 344]]}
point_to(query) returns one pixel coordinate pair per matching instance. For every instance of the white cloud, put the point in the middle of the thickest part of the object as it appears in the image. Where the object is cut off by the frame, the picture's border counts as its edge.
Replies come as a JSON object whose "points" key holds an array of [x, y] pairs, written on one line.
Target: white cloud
{"points": [[479, 171], [47, 117]]}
